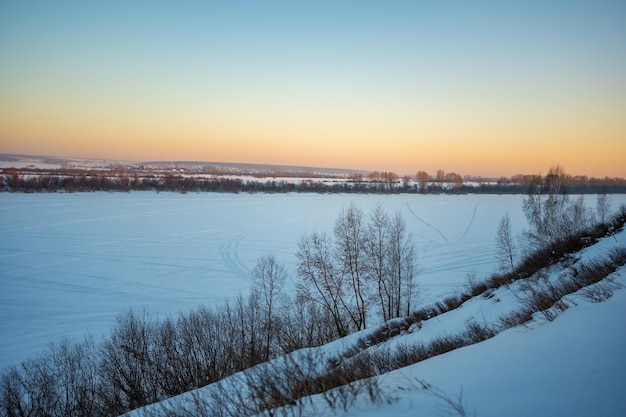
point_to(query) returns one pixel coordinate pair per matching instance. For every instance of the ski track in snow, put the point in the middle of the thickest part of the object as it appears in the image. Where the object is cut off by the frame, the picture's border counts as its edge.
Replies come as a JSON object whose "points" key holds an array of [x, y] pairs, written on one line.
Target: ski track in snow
{"points": [[229, 253], [439, 232], [471, 222], [69, 222], [33, 274]]}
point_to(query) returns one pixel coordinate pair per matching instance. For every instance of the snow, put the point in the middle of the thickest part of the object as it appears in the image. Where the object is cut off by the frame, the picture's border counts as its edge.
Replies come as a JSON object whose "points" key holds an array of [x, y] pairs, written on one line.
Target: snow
{"points": [[571, 366], [69, 263]]}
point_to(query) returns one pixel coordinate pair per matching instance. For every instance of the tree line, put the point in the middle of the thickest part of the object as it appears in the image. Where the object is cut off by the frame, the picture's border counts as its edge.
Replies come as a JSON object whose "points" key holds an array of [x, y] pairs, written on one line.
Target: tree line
{"points": [[76, 180]]}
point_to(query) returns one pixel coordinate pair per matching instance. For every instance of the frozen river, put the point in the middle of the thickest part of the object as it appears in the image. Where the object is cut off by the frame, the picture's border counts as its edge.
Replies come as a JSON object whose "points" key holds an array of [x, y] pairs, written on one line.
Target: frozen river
{"points": [[69, 263]]}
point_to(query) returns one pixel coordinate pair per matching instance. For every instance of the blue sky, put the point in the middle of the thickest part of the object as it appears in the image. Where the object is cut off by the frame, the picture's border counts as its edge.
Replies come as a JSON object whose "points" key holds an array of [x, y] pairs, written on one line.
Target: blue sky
{"points": [[397, 85]]}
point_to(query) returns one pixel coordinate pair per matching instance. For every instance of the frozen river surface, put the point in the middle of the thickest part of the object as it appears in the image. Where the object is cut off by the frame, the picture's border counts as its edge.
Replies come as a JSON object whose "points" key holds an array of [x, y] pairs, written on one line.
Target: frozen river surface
{"points": [[70, 263]]}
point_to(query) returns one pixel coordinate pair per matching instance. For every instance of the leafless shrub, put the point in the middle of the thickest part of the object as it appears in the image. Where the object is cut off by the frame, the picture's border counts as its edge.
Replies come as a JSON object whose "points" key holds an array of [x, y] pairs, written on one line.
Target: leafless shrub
{"points": [[505, 244], [78, 383], [127, 362], [601, 291], [444, 344], [384, 332], [344, 396], [593, 271], [386, 360], [370, 363], [19, 394], [455, 405], [404, 355], [544, 296], [448, 304], [618, 256], [477, 332], [474, 286], [516, 318], [283, 387], [61, 382]]}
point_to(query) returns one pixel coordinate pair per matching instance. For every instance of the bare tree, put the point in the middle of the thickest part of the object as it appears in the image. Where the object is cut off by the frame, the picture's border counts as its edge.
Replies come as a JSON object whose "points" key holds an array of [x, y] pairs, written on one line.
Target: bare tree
{"points": [[377, 259], [579, 216], [193, 351], [402, 268], [246, 343], [175, 374], [77, 380], [406, 180], [356, 177], [532, 206], [391, 263], [546, 207], [268, 280], [321, 281], [30, 389], [390, 179], [603, 206], [554, 211], [505, 244], [340, 275], [126, 363], [440, 177], [350, 248], [14, 395], [454, 179], [304, 324], [422, 178], [374, 176]]}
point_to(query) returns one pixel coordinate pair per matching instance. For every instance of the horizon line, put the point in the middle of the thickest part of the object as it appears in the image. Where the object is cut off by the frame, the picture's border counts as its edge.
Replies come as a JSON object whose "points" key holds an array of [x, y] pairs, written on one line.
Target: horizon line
{"points": [[64, 158]]}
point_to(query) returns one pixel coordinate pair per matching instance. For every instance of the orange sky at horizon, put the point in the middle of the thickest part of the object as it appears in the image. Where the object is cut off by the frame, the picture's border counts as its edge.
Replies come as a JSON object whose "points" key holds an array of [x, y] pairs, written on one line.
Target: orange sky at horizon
{"points": [[486, 158], [358, 85]]}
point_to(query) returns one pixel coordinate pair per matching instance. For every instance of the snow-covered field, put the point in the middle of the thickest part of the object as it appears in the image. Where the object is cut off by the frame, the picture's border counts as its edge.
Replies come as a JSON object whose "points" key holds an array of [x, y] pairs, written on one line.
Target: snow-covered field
{"points": [[69, 263]]}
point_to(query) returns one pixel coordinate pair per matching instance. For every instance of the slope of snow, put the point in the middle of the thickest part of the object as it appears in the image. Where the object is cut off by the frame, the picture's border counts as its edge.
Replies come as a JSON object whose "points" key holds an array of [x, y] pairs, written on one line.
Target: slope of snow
{"points": [[571, 366]]}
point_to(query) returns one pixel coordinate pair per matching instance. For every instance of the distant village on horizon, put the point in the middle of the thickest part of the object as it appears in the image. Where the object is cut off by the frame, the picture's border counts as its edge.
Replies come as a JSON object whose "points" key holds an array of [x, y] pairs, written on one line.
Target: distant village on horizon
{"points": [[22, 161]]}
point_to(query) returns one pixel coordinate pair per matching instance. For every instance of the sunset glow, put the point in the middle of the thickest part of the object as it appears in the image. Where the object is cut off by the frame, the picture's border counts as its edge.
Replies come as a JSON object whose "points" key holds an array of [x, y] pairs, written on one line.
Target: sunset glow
{"points": [[482, 88]]}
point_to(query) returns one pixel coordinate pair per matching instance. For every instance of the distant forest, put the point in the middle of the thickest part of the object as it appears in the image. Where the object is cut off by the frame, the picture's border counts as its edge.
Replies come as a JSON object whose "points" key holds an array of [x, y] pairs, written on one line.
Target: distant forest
{"points": [[35, 180]]}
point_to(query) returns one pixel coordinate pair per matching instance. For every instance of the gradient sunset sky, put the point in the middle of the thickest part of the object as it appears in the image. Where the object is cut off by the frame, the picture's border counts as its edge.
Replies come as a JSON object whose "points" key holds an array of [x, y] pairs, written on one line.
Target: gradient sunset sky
{"points": [[474, 87]]}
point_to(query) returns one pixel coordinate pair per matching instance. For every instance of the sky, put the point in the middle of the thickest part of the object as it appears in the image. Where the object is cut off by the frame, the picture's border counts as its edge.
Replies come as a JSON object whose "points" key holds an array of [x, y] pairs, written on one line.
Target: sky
{"points": [[483, 88]]}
